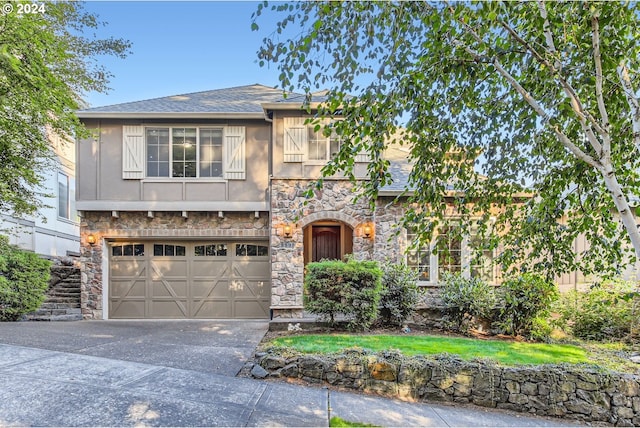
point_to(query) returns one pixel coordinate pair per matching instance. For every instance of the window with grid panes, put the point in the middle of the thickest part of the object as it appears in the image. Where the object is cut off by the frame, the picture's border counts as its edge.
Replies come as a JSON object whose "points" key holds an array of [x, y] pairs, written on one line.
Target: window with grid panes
{"points": [[184, 152]]}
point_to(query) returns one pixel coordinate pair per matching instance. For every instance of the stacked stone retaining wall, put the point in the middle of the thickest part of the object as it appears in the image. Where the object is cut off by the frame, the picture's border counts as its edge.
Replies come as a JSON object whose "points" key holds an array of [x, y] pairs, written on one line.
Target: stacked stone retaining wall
{"points": [[583, 393]]}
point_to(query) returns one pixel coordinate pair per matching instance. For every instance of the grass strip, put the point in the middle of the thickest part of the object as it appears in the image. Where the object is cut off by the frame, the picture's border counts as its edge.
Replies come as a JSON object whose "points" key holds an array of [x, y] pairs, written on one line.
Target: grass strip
{"points": [[504, 352]]}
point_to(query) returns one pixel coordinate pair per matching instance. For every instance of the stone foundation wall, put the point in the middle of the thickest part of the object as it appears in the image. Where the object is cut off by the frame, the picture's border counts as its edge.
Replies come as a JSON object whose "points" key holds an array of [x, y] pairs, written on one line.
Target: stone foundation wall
{"points": [[584, 394], [137, 225]]}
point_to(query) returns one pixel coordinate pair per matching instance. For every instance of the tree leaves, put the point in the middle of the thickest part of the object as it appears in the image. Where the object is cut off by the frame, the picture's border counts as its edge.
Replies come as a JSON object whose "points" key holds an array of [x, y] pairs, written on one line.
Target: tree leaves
{"points": [[510, 85], [46, 64]]}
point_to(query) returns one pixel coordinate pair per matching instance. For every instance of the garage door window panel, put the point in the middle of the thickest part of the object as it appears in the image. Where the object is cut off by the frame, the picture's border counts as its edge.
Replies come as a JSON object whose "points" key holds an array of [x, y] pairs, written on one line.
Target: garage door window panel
{"points": [[251, 250], [169, 250], [211, 250], [135, 250]]}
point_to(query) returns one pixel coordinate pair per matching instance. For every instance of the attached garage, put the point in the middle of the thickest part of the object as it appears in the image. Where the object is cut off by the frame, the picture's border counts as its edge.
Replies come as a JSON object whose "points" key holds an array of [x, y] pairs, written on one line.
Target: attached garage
{"points": [[189, 280]]}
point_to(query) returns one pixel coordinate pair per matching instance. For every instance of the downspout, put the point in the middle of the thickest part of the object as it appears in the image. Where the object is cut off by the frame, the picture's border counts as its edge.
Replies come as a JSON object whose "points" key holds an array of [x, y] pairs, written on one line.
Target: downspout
{"points": [[268, 117]]}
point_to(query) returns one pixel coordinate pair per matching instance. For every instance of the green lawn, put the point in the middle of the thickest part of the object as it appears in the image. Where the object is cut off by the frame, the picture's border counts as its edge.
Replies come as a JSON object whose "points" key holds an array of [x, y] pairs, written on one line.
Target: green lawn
{"points": [[504, 352]]}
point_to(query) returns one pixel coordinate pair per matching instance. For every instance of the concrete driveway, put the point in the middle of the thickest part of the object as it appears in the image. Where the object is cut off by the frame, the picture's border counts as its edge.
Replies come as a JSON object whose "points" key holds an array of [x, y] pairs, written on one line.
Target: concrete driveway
{"points": [[181, 373], [220, 347]]}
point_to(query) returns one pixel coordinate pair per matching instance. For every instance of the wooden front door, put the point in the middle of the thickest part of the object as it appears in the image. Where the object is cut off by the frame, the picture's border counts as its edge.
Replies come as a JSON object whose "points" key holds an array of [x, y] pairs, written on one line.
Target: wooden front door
{"points": [[326, 243]]}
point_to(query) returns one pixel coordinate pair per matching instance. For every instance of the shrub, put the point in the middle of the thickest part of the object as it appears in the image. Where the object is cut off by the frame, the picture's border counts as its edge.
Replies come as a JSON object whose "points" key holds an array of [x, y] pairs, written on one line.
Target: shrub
{"points": [[399, 294], [524, 299], [350, 288], [605, 311], [466, 300], [24, 279]]}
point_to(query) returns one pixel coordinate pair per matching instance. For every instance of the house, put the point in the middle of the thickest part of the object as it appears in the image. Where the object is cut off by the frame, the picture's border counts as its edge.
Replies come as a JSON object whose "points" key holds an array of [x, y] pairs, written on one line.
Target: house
{"points": [[193, 206], [55, 231]]}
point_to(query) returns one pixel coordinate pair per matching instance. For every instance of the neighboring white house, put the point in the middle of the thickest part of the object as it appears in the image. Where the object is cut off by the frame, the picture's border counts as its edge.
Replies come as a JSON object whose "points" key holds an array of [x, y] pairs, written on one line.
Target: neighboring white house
{"points": [[59, 235]]}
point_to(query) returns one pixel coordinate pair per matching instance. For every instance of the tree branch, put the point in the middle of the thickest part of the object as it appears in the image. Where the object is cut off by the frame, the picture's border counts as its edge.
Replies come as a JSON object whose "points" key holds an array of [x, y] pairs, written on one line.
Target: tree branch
{"points": [[632, 99], [579, 153], [597, 58], [576, 105]]}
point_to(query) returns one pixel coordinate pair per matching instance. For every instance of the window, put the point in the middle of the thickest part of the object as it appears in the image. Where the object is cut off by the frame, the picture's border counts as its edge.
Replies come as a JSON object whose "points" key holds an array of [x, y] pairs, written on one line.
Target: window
{"points": [[135, 250], [219, 250], [302, 143], [169, 250], [320, 147], [211, 153], [64, 199], [450, 253], [184, 152], [157, 152], [251, 250], [420, 260], [454, 255], [481, 260]]}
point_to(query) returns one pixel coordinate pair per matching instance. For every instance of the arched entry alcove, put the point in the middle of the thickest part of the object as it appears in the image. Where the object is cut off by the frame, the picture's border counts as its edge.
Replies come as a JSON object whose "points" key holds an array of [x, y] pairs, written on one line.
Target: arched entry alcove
{"points": [[327, 239]]}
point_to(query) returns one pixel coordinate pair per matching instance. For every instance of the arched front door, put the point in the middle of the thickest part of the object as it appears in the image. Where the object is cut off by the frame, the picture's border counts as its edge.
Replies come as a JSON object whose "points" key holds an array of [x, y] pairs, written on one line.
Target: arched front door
{"points": [[327, 240]]}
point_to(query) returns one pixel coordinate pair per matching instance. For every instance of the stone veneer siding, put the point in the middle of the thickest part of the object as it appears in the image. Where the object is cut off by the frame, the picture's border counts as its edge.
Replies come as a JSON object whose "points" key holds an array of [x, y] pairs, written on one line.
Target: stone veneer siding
{"points": [[335, 201], [585, 394], [137, 226]]}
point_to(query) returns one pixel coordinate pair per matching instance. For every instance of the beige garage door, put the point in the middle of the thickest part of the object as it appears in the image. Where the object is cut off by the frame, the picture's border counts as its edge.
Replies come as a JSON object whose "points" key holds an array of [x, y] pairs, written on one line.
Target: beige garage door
{"points": [[189, 280]]}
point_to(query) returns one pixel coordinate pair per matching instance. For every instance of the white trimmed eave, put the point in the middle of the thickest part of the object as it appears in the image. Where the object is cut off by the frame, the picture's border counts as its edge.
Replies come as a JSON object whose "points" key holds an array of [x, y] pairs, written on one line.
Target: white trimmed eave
{"points": [[193, 206], [290, 106], [174, 115]]}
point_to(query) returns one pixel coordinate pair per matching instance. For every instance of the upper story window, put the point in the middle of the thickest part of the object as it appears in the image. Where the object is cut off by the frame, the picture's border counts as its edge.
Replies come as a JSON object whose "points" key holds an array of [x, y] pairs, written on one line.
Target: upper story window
{"points": [[321, 147], [64, 196], [303, 143], [184, 152]]}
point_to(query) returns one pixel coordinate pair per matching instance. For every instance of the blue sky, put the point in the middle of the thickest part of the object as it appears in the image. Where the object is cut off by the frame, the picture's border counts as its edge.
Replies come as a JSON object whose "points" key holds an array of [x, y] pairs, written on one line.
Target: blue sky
{"points": [[181, 47]]}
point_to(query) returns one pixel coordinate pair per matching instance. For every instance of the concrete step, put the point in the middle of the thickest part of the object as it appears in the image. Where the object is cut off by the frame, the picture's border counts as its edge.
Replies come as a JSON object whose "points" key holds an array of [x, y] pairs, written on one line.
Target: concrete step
{"points": [[54, 305], [58, 293]]}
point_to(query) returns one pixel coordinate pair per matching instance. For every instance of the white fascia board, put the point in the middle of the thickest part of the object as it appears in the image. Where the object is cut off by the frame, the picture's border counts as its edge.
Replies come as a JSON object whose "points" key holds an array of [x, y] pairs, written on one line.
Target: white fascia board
{"points": [[180, 206], [395, 192], [180, 115], [290, 106]]}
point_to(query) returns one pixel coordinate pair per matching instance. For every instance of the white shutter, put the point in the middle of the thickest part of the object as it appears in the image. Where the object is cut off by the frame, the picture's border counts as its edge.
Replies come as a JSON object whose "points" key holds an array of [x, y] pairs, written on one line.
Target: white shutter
{"points": [[295, 139], [132, 152], [363, 156], [234, 153]]}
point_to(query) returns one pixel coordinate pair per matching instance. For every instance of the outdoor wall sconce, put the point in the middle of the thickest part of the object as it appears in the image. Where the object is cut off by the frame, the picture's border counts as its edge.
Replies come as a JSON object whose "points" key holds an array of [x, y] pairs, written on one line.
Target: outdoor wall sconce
{"points": [[366, 230], [287, 231], [91, 239]]}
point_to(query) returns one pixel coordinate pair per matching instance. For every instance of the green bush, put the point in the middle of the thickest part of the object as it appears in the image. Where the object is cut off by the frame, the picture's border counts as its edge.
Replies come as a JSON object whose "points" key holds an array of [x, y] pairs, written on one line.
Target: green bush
{"points": [[607, 311], [399, 295], [350, 288], [523, 300], [466, 300], [24, 279]]}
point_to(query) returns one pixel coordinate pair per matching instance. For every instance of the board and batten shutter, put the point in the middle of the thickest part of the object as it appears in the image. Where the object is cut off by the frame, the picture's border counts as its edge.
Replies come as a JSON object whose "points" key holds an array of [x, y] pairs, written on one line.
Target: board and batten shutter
{"points": [[295, 139], [132, 152], [363, 156], [234, 153]]}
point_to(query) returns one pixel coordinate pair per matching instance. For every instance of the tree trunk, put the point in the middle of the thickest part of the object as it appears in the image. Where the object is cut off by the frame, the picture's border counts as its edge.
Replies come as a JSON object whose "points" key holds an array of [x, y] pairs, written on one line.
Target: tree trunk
{"points": [[620, 200]]}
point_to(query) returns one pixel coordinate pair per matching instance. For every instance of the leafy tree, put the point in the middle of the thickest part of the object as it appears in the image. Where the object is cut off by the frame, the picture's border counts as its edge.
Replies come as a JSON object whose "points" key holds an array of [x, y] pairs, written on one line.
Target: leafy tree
{"points": [[24, 279], [46, 64], [493, 99]]}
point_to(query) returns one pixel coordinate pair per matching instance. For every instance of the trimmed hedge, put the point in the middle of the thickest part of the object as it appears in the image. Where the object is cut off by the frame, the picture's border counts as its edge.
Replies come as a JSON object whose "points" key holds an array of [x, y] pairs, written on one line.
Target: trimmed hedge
{"points": [[349, 288], [24, 279]]}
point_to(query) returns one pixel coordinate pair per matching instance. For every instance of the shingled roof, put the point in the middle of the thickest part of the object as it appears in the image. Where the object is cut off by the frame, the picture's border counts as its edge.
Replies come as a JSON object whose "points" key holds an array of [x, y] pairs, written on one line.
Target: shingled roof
{"points": [[240, 101]]}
